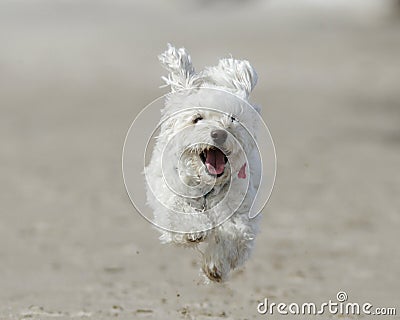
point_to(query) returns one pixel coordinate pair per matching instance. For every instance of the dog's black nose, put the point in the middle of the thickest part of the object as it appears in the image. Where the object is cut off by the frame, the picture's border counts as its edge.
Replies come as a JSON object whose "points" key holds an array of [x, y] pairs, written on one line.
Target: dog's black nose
{"points": [[219, 136]]}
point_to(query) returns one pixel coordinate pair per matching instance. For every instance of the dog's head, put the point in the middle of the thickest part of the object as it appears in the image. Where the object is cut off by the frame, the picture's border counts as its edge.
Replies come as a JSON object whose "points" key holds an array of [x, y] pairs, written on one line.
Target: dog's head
{"points": [[208, 125]]}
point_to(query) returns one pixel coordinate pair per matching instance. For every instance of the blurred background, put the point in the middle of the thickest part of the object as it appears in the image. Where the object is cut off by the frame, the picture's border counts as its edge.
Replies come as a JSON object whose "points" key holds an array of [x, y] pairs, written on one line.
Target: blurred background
{"points": [[74, 74]]}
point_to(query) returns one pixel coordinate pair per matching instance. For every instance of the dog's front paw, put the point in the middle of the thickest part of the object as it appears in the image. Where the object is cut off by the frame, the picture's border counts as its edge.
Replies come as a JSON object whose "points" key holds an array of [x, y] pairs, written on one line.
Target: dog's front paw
{"points": [[196, 237], [187, 239]]}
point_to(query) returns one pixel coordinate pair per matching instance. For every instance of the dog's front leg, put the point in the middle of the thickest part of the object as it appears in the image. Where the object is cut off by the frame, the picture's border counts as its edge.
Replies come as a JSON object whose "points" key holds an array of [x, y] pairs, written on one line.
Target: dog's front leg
{"points": [[199, 223], [229, 246], [183, 239]]}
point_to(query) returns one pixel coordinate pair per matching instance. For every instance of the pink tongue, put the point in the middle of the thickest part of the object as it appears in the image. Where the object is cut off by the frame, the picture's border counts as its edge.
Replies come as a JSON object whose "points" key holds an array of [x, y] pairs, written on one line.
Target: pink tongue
{"points": [[215, 161]]}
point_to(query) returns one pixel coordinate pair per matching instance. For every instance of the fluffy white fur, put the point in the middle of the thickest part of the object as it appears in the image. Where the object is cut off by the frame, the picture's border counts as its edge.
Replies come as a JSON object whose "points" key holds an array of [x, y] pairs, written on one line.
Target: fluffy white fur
{"points": [[190, 205]]}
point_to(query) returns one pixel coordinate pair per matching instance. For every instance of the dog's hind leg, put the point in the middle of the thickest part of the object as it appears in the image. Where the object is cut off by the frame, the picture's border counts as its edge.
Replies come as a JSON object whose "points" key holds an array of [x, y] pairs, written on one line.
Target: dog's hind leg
{"points": [[229, 246]]}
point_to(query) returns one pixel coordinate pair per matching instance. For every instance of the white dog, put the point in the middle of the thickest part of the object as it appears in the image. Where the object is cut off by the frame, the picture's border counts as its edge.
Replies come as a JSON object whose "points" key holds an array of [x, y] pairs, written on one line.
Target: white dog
{"points": [[204, 172]]}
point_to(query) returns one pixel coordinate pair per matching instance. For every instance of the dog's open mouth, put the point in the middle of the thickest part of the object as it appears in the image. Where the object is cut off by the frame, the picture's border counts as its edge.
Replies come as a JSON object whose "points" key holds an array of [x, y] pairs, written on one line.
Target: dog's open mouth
{"points": [[214, 160]]}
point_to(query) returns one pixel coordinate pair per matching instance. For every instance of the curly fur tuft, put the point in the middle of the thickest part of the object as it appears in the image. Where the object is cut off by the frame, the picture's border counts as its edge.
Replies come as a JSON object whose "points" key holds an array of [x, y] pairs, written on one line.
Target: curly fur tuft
{"points": [[179, 64], [236, 76]]}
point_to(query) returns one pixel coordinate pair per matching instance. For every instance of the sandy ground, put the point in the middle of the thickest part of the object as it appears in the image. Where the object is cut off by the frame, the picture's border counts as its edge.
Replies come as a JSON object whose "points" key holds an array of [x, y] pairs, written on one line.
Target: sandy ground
{"points": [[73, 75]]}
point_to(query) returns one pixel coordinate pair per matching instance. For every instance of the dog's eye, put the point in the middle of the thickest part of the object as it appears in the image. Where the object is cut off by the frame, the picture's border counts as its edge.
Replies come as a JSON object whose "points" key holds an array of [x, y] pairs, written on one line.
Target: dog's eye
{"points": [[233, 119], [197, 119]]}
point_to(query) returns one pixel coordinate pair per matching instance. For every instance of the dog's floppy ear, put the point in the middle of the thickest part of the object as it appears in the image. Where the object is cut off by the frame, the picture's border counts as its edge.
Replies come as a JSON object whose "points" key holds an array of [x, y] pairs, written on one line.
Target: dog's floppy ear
{"points": [[236, 75], [179, 64]]}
